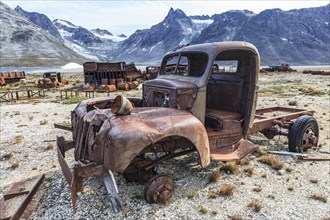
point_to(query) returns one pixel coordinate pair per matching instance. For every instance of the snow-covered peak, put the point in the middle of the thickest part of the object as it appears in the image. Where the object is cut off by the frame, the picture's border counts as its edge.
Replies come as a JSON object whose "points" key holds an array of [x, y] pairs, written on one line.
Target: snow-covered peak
{"points": [[64, 23]]}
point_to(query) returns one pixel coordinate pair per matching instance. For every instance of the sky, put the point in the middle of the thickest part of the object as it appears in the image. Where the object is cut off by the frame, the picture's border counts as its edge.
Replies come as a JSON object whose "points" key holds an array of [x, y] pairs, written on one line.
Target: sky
{"points": [[127, 16]]}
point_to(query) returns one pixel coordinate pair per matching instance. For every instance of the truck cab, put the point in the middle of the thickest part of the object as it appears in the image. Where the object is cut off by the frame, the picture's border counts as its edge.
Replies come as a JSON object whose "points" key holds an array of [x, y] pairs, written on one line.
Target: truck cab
{"points": [[217, 83]]}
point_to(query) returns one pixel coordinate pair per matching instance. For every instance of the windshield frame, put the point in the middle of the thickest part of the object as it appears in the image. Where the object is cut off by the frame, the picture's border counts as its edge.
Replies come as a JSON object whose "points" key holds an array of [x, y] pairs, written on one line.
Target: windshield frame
{"points": [[162, 71]]}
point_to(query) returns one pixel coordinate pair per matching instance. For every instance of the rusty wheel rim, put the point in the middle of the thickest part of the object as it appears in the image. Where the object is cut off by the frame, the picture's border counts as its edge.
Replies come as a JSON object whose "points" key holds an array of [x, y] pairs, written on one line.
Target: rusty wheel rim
{"points": [[159, 188], [309, 138]]}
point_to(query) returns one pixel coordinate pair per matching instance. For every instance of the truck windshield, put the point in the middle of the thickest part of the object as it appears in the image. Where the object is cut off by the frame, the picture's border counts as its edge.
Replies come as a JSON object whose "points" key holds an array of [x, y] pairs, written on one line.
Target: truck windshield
{"points": [[185, 64]]}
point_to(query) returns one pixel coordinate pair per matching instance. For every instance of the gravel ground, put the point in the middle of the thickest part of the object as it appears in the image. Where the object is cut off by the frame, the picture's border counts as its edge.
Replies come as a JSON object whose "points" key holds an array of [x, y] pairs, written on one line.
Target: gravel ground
{"points": [[27, 149]]}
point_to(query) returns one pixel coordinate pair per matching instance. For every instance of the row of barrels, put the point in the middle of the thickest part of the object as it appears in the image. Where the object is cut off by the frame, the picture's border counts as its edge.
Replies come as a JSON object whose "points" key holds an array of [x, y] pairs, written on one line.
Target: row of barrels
{"points": [[111, 85]]}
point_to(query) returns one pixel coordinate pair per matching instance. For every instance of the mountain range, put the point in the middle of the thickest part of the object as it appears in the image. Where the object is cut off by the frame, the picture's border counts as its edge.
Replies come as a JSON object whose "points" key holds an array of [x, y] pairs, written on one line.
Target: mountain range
{"points": [[298, 37]]}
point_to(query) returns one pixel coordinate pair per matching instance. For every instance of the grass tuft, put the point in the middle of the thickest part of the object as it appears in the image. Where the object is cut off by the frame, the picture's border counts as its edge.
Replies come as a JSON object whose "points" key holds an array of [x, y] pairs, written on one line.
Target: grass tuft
{"points": [[18, 139], [272, 161], [235, 217], [50, 146], [227, 190], [215, 177], [321, 198], [203, 210], [43, 122], [257, 189], [192, 194], [314, 181], [230, 167], [255, 205], [243, 162], [249, 170], [213, 195], [74, 100], [7, 156], [15, 165]]}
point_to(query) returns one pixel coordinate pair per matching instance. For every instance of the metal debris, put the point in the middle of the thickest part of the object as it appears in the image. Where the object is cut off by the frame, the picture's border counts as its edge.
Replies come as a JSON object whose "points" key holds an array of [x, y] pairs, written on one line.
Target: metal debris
{"points": [[15, 191]]}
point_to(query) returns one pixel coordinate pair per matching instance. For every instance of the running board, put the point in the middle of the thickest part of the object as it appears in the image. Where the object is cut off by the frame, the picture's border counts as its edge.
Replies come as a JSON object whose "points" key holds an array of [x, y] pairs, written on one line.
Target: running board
{"points": [[233, 152]]}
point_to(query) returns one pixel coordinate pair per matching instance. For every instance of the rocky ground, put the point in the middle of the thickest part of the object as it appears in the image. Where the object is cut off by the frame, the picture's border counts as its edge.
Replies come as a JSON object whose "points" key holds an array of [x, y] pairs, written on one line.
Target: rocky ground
{"points": [[249, 190]]}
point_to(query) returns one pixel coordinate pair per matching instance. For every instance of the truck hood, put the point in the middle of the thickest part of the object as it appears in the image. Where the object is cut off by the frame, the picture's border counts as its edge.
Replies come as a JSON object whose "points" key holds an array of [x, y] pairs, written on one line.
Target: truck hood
{"points": [[115, 141]]}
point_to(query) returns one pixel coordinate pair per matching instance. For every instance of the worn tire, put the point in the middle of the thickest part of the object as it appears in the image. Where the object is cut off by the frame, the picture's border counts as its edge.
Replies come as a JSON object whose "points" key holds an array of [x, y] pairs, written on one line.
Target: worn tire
{"points": [[302, 125]]}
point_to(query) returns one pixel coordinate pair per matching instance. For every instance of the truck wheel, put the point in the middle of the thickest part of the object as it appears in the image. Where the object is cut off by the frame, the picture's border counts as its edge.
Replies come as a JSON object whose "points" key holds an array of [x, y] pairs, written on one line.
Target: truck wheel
{"points": [[159, 188], [303, 133]]}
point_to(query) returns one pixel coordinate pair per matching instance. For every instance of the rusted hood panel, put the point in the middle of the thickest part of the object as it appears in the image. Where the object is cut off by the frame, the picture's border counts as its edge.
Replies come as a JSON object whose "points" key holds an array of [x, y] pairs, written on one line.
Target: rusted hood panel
{"points": [[114, 141], [130, 134]]}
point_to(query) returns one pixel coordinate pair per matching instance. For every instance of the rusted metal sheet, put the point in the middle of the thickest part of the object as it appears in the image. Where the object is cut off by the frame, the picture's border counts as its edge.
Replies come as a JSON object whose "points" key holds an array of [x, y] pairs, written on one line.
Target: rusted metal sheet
{"points": [[119, 140], [313, 158], [15, 191], [11, 76]]}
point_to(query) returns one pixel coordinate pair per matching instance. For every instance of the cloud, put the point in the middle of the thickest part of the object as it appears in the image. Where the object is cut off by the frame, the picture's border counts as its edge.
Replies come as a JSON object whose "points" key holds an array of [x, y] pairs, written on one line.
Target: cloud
{"points": [[127, 16]]}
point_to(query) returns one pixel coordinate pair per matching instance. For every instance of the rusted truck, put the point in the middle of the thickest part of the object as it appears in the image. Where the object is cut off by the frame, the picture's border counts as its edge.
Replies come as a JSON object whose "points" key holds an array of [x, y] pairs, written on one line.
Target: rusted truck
{"points": [[203, 100]]}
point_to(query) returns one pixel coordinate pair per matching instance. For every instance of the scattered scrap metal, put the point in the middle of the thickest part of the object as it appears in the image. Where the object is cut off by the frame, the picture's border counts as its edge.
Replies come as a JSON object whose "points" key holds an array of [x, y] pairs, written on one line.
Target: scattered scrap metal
{"points": [[17, 190], [284, 67], [110, 76], [51, 80], [6, 77], [317, 72]]}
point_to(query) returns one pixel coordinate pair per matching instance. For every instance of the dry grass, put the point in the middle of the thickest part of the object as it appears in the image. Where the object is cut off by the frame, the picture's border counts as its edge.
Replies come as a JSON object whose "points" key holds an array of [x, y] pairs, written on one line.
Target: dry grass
{"points": [[314, 181], [227, 190], [272, 161], [235, 217], [271, 196], [321, 198], [258, 153], [255, 205], [203, 210], [43, 122], [50, 146], [213, 195], [249, 170], [292, 103], [243, 162], [215, 177], [289, 169], [15, 165], [230, 167], [214, 212], [7, 156], [192, 194], [18, 139], [257, 189]]}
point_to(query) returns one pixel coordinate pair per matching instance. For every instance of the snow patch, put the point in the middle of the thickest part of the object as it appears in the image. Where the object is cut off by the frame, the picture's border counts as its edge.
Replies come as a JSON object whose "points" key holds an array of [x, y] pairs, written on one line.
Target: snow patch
{"points": [[71, 66], [208, 21]]}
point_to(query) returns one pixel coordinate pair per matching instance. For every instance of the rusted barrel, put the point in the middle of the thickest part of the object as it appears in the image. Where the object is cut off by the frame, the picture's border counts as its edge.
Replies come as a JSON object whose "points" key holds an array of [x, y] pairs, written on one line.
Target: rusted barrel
{"points": [[121, 106], [102, 87], [120, 80], [129, 79], [104, 81], [122, 86], [112, 81], [136, 83], [131, 85], [88, 87], [112, 88]]}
